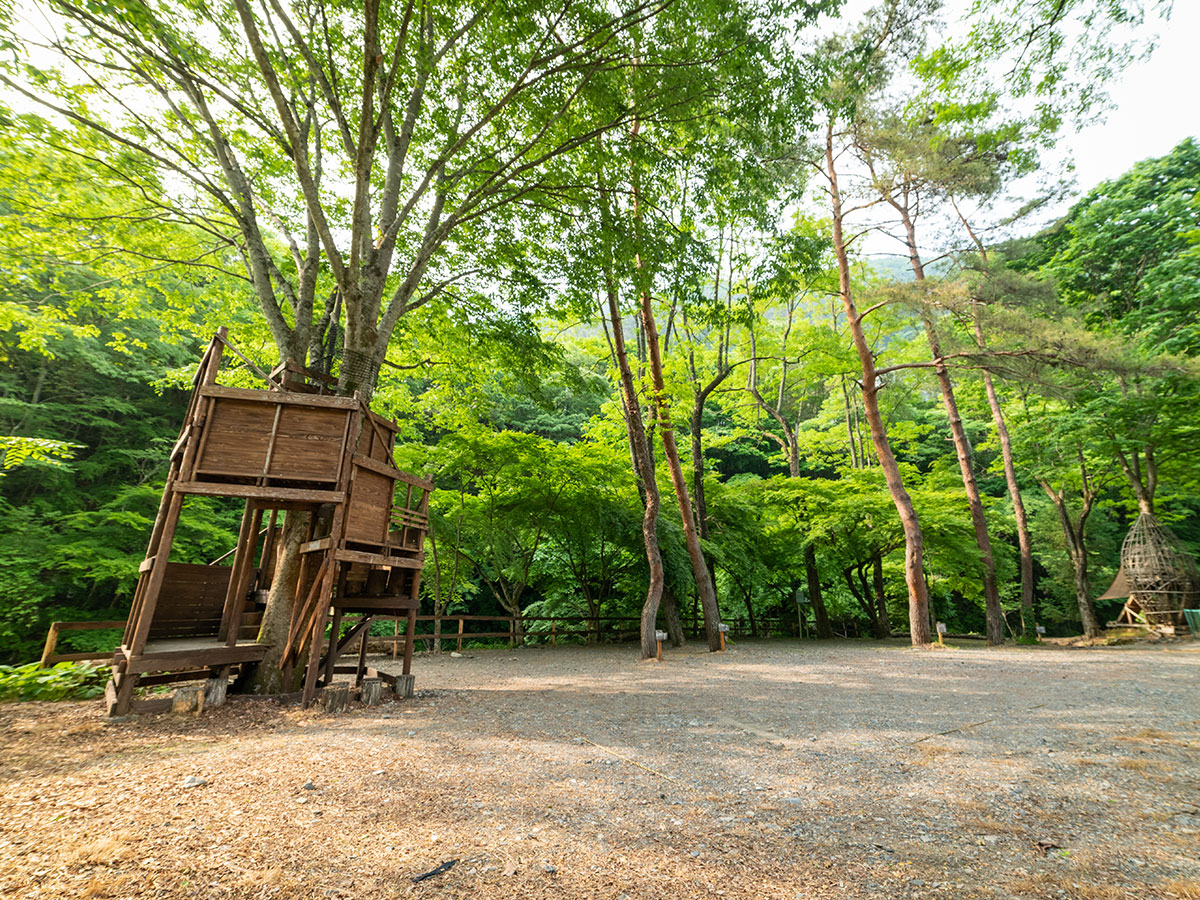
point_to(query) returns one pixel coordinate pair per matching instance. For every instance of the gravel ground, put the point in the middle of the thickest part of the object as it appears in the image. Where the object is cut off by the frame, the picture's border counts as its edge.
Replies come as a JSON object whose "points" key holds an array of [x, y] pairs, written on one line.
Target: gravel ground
{"points": [[778, 770]]}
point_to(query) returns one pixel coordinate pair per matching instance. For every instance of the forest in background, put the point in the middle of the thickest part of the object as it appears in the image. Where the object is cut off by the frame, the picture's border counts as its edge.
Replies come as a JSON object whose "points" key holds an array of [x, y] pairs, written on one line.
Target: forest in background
{"points": [[719, 239]]}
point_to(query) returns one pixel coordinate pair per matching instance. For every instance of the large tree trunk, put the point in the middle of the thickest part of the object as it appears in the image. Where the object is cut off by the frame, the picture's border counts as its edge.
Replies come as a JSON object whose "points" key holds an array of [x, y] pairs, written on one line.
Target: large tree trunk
{"points": [[820, 616], [267, 676], [666, 429], [914, 545], [962, 449]]}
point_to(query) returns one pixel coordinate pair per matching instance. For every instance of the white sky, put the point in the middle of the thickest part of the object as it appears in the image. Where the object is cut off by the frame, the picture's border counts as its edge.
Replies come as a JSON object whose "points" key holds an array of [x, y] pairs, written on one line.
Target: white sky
{"points": [[1155, 105]]}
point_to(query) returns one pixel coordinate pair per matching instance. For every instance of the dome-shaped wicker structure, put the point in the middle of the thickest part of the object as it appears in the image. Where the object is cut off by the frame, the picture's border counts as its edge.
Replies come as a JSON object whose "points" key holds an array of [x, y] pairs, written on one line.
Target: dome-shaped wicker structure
{"points": [[1157, 573]]}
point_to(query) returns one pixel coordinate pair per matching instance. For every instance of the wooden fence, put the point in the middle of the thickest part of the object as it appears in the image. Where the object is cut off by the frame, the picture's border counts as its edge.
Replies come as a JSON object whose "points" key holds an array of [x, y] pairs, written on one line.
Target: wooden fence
{"points": [[551, 628], [590, 629], [49, 657]]}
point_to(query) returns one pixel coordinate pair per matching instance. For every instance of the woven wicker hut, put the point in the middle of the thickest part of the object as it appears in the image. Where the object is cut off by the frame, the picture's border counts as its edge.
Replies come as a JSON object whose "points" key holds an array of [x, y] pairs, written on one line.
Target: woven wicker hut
{"points": [[1157, 575]]}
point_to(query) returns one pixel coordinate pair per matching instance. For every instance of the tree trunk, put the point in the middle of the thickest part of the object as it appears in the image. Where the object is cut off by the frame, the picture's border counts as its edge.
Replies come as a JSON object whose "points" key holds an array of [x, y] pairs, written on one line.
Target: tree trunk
{"points": [[670, 613], [885, 621], [666, 429], [1083, 595], [862, 594], [914, 544], [849, 427], [820, 616], [267, 676], [640, 450], [1074, 533], [747, 598], [1132, 468], [962, 449], [1024, 544]]}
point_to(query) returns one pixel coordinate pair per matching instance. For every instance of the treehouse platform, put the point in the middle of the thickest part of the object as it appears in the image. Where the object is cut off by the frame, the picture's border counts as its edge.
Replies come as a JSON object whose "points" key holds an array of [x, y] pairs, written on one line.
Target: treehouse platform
{"points": [[289, 450]]}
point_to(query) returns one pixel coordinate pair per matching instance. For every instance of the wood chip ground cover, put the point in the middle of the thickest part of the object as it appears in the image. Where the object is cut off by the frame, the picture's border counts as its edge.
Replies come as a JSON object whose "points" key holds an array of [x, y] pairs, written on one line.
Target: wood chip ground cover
{"points": [[779, 770]]}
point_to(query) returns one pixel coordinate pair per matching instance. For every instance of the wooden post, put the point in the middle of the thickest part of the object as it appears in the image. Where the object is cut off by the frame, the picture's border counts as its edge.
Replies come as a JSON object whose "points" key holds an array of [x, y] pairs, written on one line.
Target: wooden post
{"points": [[215, 688], [372, 691], [460, 633], [334, 637], [396, 634], [722, 628], [659, 637], [512, 631], [240, 575], [51, 643], [362, 653], [334, 697], [553, 631], [409, 640]]}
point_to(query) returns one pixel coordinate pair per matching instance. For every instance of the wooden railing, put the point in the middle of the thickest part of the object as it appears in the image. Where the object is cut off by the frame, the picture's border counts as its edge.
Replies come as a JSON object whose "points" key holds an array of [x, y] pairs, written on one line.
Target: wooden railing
{"points": [[591, 629], [49, 657]]}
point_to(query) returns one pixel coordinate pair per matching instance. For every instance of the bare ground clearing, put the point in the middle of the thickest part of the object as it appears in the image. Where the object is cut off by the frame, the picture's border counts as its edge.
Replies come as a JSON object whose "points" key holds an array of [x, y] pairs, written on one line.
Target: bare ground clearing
{"points": [[780, 770]]}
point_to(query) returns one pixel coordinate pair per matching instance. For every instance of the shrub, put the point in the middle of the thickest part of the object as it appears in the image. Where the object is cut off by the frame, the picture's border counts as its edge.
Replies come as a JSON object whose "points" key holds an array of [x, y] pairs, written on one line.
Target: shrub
{"points": [[65, 681]]}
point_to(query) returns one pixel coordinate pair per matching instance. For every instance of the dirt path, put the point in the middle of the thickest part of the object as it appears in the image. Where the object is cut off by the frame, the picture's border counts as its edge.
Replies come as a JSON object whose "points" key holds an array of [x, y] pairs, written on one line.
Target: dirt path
{"points": [[779, 770]]}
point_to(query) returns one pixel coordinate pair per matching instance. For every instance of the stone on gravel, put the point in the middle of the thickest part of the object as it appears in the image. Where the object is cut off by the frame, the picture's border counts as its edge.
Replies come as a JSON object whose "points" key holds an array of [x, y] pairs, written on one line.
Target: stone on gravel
{"points": [[194, 781]]}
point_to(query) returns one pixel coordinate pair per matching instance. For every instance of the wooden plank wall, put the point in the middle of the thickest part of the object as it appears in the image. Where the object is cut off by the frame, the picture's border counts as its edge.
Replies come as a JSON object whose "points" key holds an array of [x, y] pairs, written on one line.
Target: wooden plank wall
{"points": [[191, 601]]}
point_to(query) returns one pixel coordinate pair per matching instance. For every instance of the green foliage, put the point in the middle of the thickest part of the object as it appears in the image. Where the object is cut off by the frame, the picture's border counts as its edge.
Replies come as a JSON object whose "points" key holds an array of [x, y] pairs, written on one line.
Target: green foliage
{"points": [[1128, 253], [65, 681], [114, 272]]}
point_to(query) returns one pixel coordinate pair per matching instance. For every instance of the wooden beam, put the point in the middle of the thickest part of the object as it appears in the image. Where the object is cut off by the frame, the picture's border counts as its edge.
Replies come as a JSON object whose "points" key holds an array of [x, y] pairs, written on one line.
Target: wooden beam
{"points": [[216, 489], [295, 399], [380, 559]]}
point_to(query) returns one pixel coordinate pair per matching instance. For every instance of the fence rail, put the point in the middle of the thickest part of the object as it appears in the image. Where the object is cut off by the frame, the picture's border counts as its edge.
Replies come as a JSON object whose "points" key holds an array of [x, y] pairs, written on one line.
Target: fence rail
{"points": [[591, 629], [585, 626], [49, 657]]}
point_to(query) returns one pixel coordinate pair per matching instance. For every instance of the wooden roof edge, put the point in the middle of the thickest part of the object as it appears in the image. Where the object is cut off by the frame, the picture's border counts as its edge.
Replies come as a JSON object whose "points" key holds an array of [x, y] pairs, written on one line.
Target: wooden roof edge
{"points": [[279, 396]]}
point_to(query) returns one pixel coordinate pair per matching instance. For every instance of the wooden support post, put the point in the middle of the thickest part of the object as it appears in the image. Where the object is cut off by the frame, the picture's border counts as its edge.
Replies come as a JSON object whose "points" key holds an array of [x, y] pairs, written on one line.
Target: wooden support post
{"points": [[51, 643], [239, 577], [188, 701], [554, 633], [334, 637], [158, 572], [512, 631], [404, 686], [460, 633], [396, 642], [362, 652], [215, 688], [335, 697], [372, 691], [409, 639]]}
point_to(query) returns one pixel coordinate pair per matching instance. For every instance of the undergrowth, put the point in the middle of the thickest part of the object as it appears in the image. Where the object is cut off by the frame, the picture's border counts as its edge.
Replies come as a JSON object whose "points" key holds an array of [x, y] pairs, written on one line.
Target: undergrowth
{"points": [[65, 681]]}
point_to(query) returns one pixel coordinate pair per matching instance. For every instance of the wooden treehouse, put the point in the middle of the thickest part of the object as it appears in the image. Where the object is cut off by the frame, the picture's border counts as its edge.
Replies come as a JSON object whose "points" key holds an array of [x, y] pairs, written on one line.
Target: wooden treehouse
{"points": [[297, 450]]}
